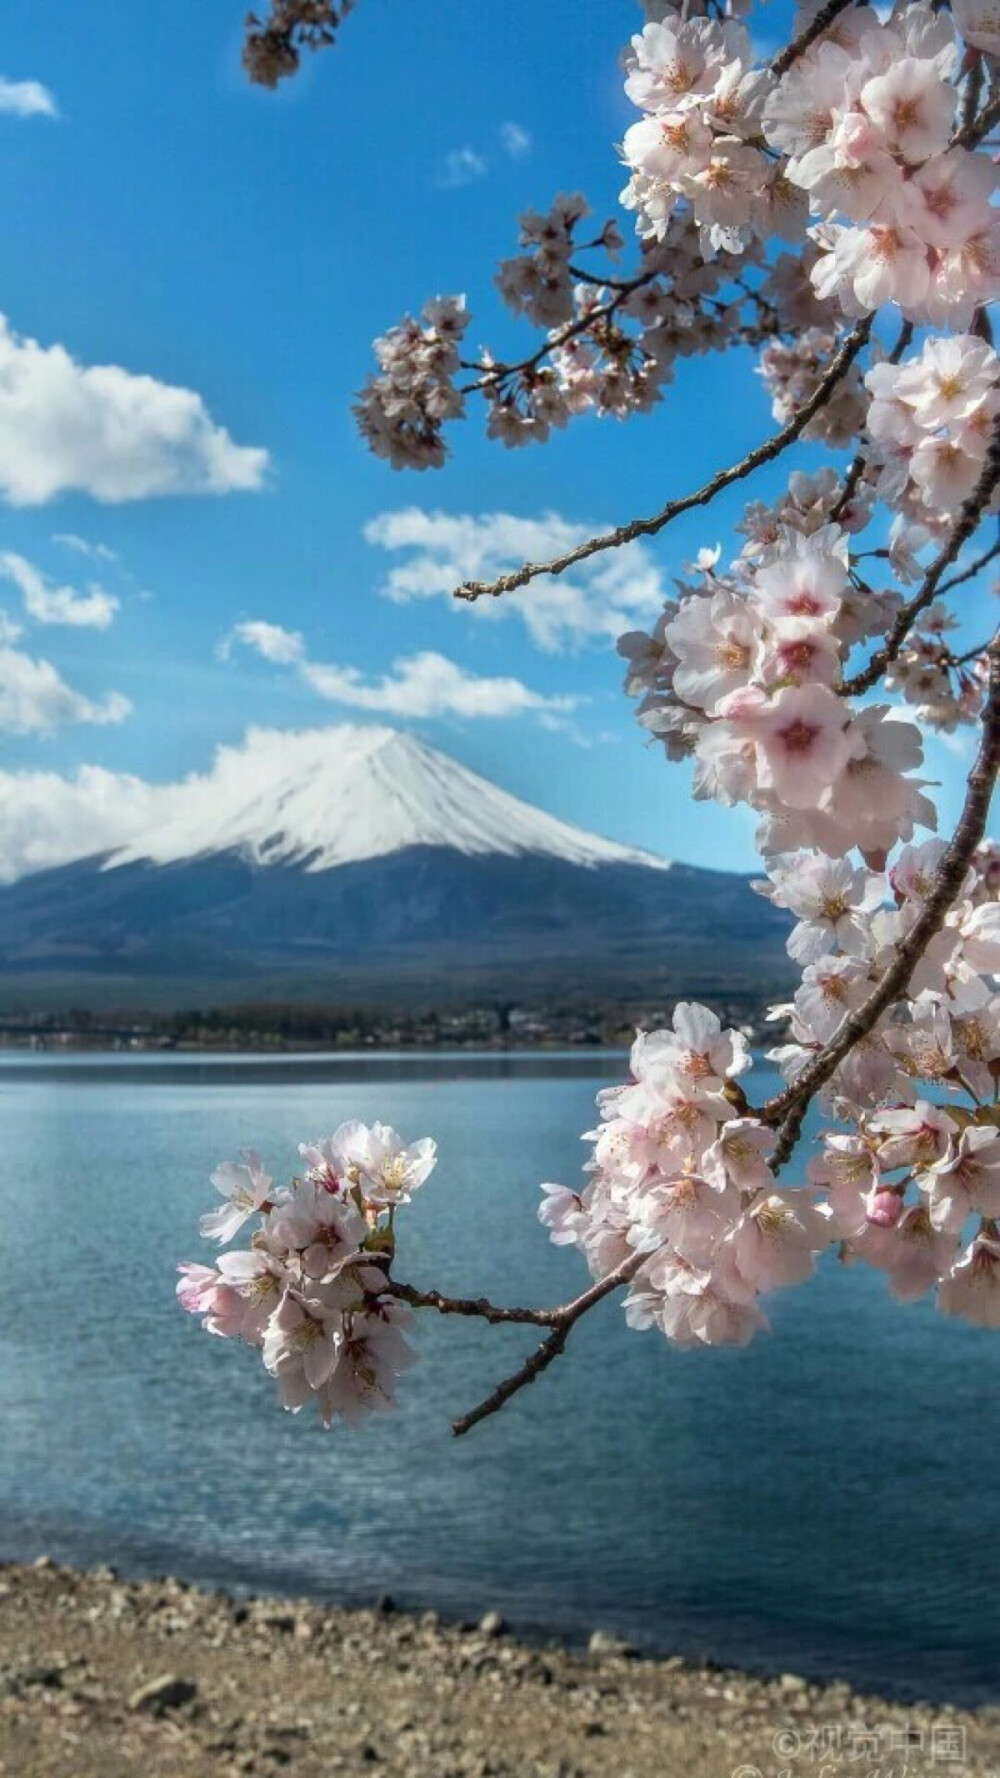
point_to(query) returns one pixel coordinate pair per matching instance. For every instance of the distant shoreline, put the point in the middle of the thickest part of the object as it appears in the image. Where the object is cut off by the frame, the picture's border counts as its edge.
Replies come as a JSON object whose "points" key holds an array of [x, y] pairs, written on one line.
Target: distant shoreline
{"points": [[541, 1034]]}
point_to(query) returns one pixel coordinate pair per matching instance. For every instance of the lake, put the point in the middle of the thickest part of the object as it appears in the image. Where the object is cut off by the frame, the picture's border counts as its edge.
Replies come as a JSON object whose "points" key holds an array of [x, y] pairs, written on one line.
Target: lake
{"points": [[822, 1502]]}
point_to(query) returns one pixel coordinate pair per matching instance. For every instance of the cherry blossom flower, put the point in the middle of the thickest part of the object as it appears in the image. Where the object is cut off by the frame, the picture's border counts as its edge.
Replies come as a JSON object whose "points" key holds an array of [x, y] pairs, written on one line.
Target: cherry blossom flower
{"points": [[373, 1355], [913, 1136], [972, 1287], [391, 1171], [832, 899], [714, 641], [246, 1188], [301, 1346], [965, 1180], [774, 1244]]}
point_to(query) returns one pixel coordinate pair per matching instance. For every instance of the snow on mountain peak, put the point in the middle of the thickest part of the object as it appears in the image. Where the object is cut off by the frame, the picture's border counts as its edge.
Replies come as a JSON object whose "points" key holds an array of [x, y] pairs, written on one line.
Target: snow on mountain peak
{"points": [[324, 797]]}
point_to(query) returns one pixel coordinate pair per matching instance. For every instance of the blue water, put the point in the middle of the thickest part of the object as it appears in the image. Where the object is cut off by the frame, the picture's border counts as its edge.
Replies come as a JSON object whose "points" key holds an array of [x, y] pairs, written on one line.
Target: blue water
{"points": [[823, 1502]]}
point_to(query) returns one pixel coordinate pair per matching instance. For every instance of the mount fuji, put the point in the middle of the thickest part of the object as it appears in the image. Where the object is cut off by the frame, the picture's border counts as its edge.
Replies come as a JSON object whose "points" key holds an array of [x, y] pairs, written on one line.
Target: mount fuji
{"points": [[358, 863]]}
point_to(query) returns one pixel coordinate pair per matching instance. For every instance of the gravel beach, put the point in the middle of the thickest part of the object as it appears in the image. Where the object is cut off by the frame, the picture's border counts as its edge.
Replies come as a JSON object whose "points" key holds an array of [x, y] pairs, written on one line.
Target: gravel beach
{"points": [[100, 1678]]}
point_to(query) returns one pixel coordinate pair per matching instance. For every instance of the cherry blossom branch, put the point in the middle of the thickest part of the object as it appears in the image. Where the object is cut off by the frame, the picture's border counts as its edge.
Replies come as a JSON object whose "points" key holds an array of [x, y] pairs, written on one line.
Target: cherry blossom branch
{"points": [[499, 373], [822, 22], [788, 1109], [496, 373], [273, 46], [562, 1321], [968, 519], [772, 447]]}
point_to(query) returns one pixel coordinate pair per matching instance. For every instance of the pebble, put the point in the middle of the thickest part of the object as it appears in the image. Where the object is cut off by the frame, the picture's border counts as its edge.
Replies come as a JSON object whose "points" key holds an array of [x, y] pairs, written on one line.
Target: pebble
{"points": [[167, 1692], [602, 1643]]}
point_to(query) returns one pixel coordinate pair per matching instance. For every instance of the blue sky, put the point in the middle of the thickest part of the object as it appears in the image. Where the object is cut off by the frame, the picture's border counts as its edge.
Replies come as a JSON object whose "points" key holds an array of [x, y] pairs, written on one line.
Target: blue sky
{"points": [[176, 223]]}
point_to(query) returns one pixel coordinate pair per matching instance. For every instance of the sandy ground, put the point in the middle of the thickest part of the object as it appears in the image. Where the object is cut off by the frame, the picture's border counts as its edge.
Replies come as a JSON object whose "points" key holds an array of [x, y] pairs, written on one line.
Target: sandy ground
{"points": [[103, 1679]]}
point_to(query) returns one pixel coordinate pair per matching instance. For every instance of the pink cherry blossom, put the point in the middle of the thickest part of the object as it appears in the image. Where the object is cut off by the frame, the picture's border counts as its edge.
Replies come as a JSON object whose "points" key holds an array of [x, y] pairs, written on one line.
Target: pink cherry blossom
{"points": [[972, 1287], [965, 1181], [913, 1136], [246, 1188]]}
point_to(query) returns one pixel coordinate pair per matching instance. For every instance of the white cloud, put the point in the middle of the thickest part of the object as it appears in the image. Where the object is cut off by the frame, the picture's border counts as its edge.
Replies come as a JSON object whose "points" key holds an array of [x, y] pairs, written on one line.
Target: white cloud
{"points": [[34, 698], [616, 591], [48, 604], [284, 647], [103, 431], [26, 98], [10, 630], [463, 166], [418, 686], [516, 140], [429, 684], [95, 552], [49, 820]]}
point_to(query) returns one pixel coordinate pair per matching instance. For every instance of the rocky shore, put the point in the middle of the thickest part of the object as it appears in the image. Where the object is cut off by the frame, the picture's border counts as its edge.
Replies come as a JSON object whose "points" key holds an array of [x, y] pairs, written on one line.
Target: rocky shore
{"points": [[100, 1678]]}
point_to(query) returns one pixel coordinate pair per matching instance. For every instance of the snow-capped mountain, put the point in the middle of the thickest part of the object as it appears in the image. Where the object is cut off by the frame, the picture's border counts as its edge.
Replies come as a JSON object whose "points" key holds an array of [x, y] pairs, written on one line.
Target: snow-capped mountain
{"points": [[350, 865], [335, 796]]}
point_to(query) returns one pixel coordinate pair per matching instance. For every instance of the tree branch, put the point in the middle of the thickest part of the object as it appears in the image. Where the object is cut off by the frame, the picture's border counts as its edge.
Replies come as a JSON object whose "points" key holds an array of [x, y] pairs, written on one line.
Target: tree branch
{"points": [[972, 133], [968, 519], [976, 567], [763, 453], [789, 1108], [480, 1307], [563, 1322], [973, 89], [822, 22]]}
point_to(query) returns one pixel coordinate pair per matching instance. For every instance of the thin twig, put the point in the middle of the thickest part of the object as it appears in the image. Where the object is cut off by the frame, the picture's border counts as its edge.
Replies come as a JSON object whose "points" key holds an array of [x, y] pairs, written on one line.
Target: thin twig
{"points": [[972, 133], [789, 1108], [970, 573], [860, 462], [480, 1307], [973, 90], [499, 373], [857, 469], [564, 1321], [971, 654], [763, 453], [822, 22], [968, 519]]}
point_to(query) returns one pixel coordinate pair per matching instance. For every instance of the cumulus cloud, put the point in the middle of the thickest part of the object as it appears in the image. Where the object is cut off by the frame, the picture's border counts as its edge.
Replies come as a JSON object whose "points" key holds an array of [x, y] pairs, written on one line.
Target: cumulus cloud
{"points": [[50, 820], [613, 592], [34, 698], [103, 431], [463, 166], [48, 604], [417, 686], [26, 98], [516, 141]]}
